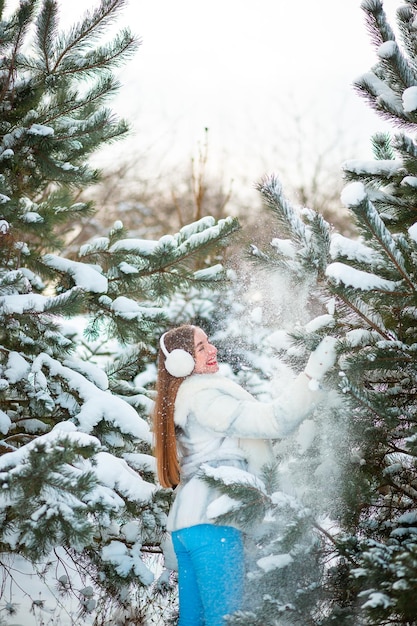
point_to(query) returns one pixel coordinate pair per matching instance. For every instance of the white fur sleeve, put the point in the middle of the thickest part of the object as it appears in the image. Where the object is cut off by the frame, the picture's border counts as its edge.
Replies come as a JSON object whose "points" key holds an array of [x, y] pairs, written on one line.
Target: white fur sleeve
{"points": [[298, 401], [225, 413]]}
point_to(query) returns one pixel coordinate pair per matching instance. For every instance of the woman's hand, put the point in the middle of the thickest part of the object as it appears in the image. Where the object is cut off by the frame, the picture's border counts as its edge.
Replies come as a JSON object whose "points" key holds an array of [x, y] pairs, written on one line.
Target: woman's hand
{"points": [[321, 359]]}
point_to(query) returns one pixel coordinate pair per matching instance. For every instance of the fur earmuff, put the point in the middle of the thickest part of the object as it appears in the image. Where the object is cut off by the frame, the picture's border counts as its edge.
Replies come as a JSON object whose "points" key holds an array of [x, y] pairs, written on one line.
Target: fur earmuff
{"points": [[178, 363]]}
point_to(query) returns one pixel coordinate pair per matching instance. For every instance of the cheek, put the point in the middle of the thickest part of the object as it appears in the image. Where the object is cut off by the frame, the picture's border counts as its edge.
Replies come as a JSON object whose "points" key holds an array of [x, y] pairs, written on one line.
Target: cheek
{"points": [[199, 362]]}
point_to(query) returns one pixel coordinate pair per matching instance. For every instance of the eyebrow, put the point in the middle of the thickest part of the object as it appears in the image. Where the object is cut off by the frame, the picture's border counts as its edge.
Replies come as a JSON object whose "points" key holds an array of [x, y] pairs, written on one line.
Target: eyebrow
{"points": [[200, 343]]}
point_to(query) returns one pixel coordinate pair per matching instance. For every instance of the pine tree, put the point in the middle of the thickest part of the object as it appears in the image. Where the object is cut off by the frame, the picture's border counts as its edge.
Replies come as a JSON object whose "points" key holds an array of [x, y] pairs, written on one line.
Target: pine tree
{"points": [[363, 290], [77, 473], [380, 365]]}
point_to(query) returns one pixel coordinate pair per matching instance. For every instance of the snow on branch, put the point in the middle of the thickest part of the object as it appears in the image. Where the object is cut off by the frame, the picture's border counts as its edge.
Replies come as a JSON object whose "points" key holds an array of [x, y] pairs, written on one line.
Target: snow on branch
{"points": [[116, 474], [18, 304], [48, 441], [387, 168], [383, 96], [358, 279], [354, 250], [190, 237], [98, 404], [85, 276]]}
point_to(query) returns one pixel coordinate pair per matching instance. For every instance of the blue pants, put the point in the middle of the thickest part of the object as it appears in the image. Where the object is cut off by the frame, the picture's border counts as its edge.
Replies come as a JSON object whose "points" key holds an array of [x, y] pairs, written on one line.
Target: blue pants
{"points": [[210, 573]]}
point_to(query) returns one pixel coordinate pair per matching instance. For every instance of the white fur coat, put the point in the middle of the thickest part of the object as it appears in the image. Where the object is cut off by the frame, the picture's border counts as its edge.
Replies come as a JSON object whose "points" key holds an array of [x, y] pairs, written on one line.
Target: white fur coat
{"points": [[219, 423]]}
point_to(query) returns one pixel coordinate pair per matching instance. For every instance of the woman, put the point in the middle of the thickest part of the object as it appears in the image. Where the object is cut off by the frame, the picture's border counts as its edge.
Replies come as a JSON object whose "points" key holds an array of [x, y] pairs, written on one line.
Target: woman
{"points": [[201, 417]]}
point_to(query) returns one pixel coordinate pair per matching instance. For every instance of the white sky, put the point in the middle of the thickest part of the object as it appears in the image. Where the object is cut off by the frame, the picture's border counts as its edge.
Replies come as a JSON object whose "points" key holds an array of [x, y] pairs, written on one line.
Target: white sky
{"points": [[247, 70]]}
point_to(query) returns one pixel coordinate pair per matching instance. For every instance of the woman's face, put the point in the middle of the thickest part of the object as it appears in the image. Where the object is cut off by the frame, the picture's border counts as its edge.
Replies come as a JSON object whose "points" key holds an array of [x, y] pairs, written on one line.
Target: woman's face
{"points": [[205, 354]]}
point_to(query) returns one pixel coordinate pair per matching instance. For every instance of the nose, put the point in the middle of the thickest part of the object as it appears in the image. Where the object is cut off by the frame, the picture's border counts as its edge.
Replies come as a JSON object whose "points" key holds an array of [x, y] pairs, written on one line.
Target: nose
{"points": [[212, 349]]}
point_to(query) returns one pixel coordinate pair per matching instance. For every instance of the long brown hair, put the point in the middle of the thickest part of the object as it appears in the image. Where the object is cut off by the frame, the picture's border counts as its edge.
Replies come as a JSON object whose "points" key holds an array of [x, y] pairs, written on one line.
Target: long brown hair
{"points": [[163, 415]]}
